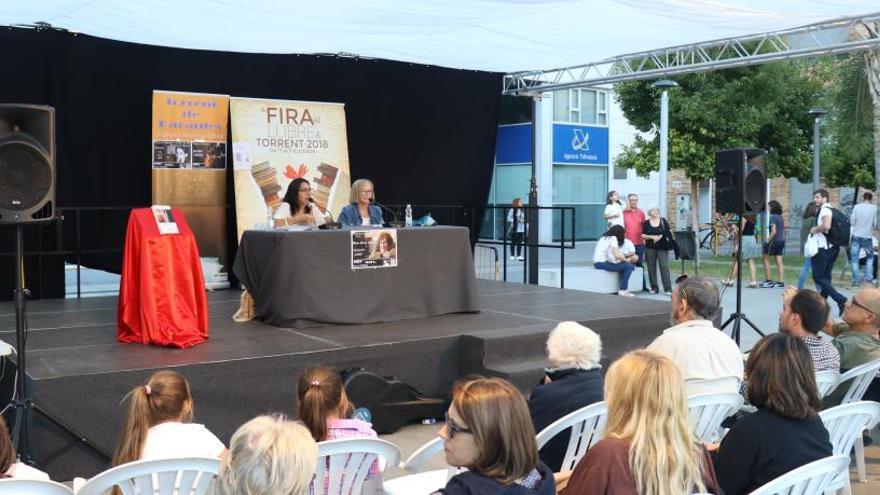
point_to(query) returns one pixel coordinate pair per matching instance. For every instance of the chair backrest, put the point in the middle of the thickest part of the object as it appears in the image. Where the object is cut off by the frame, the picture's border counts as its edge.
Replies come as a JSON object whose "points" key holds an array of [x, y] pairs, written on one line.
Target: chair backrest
{"points": [[809, 479], [416, 462], [707, 411], [846, 422], [827, 381], [343, 465], [720, 384], [861, 377], [181, 476], [32, 487], [587, 427]]}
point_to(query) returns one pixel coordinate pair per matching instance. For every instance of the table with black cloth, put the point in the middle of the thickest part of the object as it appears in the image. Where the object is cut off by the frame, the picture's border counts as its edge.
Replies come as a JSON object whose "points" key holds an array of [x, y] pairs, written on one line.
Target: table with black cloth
{"points": [[299, 278]]}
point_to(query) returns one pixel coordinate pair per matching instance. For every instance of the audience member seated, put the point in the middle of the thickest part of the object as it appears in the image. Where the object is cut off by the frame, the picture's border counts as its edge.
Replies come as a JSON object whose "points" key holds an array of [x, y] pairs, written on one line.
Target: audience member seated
{"points": [[804, 314], [159, 424], [488, 431], [786, 431], [856, 339], [268, 455], [360, 210], [297, 207], [10, 467], [701, 351], [573, 381], [648, 448], [615, 253], [325, 410]]}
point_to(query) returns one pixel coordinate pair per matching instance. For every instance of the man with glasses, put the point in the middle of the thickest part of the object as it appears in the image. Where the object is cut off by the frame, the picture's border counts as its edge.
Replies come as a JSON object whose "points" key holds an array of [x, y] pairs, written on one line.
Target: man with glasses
{"points": [[856, 337]]}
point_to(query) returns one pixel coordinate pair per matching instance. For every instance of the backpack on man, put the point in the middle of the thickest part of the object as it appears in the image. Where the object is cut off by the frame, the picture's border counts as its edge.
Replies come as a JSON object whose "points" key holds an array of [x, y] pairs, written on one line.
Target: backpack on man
{"points": [[839, 232]]}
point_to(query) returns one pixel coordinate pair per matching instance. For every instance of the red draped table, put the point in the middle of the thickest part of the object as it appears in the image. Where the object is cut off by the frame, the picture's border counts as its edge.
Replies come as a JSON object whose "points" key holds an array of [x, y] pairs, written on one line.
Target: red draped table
{"points": [[162, 293]]}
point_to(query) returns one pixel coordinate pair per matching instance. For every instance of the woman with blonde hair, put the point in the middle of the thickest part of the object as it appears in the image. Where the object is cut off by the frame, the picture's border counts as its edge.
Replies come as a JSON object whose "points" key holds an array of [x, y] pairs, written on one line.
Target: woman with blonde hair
{"points": [[159, 425], [648, 447], [268, 455], [488, 430], [360, 209]]}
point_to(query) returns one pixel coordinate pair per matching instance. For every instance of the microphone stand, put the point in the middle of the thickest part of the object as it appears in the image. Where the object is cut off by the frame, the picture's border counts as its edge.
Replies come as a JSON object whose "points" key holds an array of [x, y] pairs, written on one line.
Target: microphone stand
{"points": [[396, 223], [327, 225]]}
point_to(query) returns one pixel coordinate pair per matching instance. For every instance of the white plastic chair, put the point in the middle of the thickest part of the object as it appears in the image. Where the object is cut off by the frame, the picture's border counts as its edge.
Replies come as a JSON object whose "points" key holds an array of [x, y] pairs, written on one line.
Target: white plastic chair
{"points": [[587, 427], [707, 411], [845, 424], [417, 460], [181, 476], [826, 381], [810, 479], [32, 487], [861, 377], [343, 465]]}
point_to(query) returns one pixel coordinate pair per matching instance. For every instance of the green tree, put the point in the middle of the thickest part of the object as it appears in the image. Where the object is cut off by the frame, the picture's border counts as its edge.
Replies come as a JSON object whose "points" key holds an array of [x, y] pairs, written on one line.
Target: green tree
{"points": [[761, 106]]}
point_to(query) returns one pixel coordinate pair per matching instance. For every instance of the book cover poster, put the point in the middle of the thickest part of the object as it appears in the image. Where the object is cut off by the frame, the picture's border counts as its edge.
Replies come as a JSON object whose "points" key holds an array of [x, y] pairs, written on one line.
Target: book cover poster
{"points": [[277, 141], [374, 248]]}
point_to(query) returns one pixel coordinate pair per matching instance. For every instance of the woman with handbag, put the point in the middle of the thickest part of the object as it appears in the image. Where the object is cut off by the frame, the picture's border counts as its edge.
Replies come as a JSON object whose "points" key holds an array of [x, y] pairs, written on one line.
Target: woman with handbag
{"points": [[658, 242]]}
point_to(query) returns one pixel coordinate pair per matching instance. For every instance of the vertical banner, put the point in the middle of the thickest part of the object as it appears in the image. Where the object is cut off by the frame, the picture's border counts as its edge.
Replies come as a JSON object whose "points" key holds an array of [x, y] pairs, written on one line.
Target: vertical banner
{"points": [[277, 141], [189, 170]]}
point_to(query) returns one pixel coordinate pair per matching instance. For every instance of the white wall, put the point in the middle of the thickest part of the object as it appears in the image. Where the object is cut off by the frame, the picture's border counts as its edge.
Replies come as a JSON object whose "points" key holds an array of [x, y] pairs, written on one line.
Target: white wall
{"points": [[621, 133]]}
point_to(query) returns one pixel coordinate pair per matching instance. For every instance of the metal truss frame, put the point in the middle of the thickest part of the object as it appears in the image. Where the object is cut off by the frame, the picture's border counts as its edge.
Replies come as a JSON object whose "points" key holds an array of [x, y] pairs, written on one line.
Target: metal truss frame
{"points": [[842, 35]]}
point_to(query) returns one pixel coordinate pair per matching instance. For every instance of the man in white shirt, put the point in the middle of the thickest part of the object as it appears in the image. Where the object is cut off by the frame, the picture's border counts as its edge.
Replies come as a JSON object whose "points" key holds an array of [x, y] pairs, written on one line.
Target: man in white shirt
{"points": [[701, 351], [863, 221], [823, 260]]}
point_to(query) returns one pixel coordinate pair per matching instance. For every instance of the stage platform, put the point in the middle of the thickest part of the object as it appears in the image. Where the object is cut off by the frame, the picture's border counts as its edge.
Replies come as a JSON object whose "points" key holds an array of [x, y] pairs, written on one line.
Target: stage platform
{"points": [[79, 372]]}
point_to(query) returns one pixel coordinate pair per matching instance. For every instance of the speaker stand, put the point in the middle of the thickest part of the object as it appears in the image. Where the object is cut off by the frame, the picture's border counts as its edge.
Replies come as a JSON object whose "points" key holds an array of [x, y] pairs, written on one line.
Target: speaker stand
{"points": [[22, 404], [738, 317]]}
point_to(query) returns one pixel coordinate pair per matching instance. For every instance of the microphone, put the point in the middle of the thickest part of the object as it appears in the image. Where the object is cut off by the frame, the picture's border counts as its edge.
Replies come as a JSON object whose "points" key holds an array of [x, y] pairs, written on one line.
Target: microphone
{"points": [[328, 224], [395, 222]]}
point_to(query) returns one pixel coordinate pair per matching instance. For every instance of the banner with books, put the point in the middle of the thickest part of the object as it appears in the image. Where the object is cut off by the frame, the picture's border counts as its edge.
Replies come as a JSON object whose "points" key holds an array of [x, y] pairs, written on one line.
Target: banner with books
{"points": [[277, 141], [188, 156]]}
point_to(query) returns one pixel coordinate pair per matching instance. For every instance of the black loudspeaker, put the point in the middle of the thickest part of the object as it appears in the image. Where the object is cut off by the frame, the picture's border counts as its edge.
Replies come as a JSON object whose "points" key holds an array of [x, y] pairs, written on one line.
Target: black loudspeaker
{"points": [[740, 181], [27, 163]]}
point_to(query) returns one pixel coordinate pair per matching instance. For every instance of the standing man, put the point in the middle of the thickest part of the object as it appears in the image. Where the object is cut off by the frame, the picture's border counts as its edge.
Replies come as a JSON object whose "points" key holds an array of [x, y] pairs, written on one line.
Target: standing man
{"points": [[863, 221], [633, 220], [823, 261]]}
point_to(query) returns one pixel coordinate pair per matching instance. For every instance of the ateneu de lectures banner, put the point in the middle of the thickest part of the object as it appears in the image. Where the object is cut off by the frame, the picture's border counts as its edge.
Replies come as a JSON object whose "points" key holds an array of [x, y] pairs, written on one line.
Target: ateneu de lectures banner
{"points": [[277, 141], [189, 170], [373, 248]]}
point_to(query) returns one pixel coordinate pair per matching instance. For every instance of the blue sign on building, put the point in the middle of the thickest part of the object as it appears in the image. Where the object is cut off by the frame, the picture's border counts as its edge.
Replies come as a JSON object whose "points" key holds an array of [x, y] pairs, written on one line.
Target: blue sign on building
{"points": [[576, 144], [514, 144]]}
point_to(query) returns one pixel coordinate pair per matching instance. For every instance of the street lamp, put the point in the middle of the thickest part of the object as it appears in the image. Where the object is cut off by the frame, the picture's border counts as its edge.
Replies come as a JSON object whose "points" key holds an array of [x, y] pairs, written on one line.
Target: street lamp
{"points": [[664, 84], [817, 114]]}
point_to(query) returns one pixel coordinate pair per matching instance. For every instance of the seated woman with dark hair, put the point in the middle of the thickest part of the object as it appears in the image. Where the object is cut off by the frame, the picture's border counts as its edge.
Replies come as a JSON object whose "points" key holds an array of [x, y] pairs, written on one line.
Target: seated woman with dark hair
{"points": [[297, 207], [615, 253], [786, 431], [488, 431], [649, 448]]}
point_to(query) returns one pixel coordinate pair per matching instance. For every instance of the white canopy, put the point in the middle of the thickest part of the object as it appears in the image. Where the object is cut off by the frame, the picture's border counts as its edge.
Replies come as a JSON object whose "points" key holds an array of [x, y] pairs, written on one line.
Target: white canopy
{"points": [[493, 35]]}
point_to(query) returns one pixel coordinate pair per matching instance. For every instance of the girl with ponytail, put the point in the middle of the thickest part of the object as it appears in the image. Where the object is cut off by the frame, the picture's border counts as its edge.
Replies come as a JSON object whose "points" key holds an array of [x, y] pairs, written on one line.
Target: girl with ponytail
{"points": [[325, 410], [158, 423]]}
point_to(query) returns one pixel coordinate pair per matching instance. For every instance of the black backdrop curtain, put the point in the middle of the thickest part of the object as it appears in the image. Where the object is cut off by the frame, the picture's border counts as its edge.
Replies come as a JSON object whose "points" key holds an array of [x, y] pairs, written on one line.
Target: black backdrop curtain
{"points": [[424, 134]]}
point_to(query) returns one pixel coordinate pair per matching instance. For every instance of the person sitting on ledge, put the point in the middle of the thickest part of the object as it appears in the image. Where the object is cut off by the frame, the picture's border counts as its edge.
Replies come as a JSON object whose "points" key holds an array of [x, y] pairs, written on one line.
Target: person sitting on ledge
{"points": [[574, 380], [615, 253], [360, 210], [701, 351]]}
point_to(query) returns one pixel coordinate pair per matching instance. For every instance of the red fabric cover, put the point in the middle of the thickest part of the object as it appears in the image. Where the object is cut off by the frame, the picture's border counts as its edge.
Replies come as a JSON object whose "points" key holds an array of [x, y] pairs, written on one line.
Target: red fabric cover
{"points": [[162, 297]]}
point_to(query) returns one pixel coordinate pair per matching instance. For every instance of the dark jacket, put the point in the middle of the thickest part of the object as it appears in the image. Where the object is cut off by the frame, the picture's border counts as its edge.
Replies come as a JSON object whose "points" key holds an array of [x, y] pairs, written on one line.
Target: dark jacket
{"points": [[763, 446], [474, 483], [568, 391], [350, 216]]}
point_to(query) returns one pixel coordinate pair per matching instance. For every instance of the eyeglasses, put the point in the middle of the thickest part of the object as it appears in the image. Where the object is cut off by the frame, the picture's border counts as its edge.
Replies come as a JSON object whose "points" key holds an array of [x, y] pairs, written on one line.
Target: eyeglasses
{"points": [[860, 305], [454, 428]]}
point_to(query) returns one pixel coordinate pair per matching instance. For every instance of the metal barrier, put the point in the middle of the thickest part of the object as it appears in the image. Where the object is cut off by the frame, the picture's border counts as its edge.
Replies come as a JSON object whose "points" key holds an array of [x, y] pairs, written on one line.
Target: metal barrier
{"points": [[486, 262], [565, 242]]}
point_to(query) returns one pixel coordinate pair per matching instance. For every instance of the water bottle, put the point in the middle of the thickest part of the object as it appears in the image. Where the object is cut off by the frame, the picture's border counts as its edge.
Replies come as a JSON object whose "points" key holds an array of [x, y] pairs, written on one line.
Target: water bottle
{"points": [[409, 216], [270, 221], [363, 414]]}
